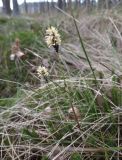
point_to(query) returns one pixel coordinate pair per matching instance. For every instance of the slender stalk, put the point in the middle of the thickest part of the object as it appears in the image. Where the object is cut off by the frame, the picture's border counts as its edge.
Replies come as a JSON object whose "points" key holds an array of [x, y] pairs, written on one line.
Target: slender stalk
{"points": [[84, 50], [118, 157], [67, 91]]}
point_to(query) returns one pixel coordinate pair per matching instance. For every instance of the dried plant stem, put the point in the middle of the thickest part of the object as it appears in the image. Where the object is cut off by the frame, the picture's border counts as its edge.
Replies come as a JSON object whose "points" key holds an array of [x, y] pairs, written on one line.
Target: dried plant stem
{"points": [[118, 157], [108, 68], [76, 117]]}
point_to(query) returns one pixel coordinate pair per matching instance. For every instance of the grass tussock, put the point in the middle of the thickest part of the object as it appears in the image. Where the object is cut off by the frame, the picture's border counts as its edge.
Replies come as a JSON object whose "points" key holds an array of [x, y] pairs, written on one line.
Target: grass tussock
{"points": [[70, 107]]}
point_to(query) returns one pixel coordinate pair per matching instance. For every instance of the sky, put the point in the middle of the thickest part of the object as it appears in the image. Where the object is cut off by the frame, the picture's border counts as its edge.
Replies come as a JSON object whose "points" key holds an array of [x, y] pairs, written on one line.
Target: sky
{"points": [[21, 1]]}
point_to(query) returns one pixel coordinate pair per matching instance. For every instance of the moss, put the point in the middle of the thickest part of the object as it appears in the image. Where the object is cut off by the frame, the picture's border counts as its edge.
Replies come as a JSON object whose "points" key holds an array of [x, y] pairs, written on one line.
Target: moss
{"points": [[3, 20], [45, 158], [76, 156], [27, 38]]}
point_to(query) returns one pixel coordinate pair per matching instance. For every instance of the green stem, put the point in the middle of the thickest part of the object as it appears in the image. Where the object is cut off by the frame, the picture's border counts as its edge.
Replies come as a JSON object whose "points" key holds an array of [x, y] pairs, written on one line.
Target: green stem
{"points": [[84, 50], [76, 118]]}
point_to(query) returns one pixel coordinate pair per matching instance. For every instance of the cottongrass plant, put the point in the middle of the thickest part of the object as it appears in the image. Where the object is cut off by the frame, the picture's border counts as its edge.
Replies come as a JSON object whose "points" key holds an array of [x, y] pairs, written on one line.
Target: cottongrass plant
{"points": [[42, 71], [53, 38], [16, 52], [41, 124]]}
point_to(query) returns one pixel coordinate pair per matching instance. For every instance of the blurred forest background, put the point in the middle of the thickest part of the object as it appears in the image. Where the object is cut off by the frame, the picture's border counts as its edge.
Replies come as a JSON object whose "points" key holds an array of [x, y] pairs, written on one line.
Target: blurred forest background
{"points": [[46, 6]]}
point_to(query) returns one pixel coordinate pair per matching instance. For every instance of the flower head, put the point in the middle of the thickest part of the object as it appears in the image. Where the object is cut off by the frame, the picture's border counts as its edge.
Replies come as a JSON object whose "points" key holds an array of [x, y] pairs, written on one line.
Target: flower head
{"points": [[53, 38], [15, 51], [16, 46], [12, 57], [42, 71]]}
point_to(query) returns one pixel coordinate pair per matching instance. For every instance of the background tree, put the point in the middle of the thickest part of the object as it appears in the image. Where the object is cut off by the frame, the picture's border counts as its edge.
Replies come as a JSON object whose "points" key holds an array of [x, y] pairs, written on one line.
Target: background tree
{"points": [[64, 4], [60, 4], [48, 6], [69, 4], [52, 4], [101, 4], [15, 8], [106, 4], [6, 7], [76, 3], [88, 5], [26, 7]]}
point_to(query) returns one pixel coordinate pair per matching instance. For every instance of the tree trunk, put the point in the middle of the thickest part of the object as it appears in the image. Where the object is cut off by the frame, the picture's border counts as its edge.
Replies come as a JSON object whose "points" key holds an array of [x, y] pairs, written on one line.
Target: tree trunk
{"points": [[88, 5], [79, 2], [15, 8], [6, 7], [48, 6], [26, 7], [76, 4], [64, 4], [104, 4], [60, 4], [101, 4], [93, 3], [69, 4], [107, 4], [52, 4]]}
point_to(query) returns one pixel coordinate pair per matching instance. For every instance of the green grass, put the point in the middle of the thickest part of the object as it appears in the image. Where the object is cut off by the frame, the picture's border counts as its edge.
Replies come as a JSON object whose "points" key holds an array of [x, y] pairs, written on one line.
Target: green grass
{"points": [[99, 128]]}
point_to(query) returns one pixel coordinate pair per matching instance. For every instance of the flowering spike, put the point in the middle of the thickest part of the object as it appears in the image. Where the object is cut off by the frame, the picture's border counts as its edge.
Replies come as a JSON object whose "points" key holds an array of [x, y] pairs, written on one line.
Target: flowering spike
{"points": [[42, 71], [53, 38]]}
